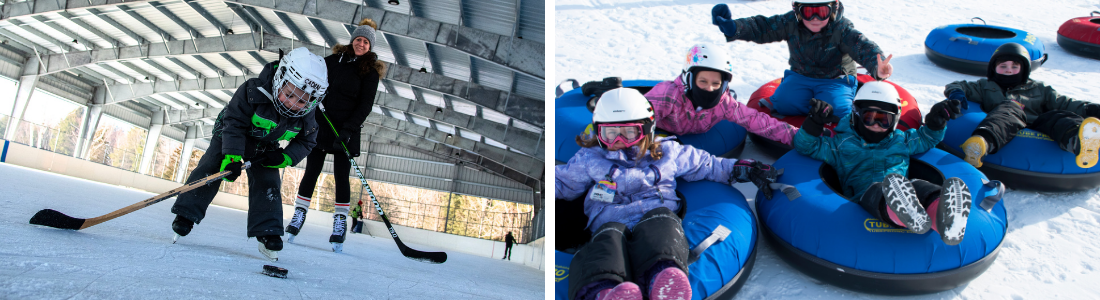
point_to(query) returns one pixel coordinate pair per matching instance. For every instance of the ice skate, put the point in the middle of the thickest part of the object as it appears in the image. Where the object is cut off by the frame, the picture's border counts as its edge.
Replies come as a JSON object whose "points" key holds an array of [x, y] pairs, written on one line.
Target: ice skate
{"points": [[953, 211], [339, 228], [901, 199], [181, 226], [269, 246], [299, 218]]}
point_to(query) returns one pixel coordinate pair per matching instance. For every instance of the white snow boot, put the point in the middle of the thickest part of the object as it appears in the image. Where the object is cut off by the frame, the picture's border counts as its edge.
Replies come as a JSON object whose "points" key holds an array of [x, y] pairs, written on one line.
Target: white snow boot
{"points": [[953, 211], [902, 200]]}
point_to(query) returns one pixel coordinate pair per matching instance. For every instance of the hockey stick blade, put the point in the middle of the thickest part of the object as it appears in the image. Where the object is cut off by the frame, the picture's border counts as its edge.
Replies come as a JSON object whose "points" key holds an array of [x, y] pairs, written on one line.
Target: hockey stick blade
{"points": [[56, 219], [422, 256]]}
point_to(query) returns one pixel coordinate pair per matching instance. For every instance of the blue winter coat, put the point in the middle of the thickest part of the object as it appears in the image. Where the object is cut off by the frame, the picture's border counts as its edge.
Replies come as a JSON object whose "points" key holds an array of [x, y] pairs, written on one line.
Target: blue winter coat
{"points": [[825, 55], [643, 184], [859, 164]]}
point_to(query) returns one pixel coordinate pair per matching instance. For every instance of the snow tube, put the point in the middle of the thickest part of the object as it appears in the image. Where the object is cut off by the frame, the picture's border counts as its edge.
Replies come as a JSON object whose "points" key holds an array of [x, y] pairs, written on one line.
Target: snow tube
{"points": [[825, 235], [722, 268], [910, 114], [573, 115], [967, 48], [1081, 36], [1031, 161]]}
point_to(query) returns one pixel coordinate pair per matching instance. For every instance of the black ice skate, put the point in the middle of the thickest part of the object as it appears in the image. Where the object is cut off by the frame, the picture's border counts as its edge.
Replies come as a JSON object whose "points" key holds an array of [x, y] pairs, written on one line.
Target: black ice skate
{"points": [[296, 223], [182, 226], [270, 245], [339, 228], [901, 198], [953, 211]]}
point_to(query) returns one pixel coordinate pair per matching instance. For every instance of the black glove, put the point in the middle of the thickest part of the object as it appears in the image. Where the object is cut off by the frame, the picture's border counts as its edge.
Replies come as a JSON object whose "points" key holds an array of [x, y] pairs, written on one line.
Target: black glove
{"points": [[272, 159], [948, 109], [961, 96], [233, 163], [760, 174], [597, 88], [720, 15], [1092, 110], [821, 113], [341, 141]]}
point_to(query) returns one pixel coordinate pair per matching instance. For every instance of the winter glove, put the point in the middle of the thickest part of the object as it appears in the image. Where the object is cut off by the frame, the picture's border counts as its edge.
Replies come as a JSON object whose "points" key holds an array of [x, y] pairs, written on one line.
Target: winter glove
{"points": [[940, 113], [720, 15], [597, 88], [821, 113], [234, 164], [760, 174], [272, 159], [961, 96], [341, 141], [1092, 110]]}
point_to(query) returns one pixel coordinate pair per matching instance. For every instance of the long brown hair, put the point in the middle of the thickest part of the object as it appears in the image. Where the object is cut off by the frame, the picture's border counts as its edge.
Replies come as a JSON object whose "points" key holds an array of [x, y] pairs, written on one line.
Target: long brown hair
{"points": [[647, 145], [368, 62]]}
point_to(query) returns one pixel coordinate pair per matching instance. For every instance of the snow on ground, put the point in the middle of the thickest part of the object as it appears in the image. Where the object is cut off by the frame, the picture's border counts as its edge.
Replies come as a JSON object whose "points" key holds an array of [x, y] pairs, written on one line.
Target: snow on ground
{"points": [[132, 257], [1053, 245]]}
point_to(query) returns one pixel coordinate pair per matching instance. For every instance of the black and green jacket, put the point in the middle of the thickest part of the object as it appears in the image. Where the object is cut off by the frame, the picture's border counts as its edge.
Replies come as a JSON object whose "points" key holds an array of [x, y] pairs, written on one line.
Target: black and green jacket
{"points": [[250, 124]]}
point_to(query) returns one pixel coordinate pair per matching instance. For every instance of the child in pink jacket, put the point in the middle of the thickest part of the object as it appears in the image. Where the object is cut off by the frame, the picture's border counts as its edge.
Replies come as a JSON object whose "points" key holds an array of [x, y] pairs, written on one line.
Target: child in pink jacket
{"points": [[700, 98]]}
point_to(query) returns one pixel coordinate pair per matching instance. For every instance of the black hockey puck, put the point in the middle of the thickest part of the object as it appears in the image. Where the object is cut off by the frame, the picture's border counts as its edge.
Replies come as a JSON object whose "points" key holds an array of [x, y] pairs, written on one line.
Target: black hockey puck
{"points": [[274, 271]]}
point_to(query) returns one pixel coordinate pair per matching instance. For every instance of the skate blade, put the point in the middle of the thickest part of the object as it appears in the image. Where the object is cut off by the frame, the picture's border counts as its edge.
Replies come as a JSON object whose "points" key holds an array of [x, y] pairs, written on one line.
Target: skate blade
{"points": [[271, 255], [290, 238], [175, 238], [338, 247]]}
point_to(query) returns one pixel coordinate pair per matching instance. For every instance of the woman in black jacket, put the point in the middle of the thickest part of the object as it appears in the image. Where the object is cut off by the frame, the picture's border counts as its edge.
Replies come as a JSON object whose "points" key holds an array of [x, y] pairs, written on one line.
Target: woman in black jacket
{"points": [[353, 72]]}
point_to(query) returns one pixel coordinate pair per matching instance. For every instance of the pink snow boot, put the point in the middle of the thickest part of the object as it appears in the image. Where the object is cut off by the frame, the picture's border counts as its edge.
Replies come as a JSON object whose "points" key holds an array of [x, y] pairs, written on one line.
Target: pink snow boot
{"points": [[670, 284]]}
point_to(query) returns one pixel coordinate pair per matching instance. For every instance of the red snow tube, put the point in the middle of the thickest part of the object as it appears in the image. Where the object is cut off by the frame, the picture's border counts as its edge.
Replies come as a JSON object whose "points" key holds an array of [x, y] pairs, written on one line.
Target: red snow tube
{"points": [[1081, 36], [910, 114]]}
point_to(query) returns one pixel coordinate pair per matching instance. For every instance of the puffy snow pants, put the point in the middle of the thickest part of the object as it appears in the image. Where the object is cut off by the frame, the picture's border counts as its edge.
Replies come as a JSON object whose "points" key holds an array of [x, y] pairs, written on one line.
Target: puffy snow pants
{"points": [[1002, 123], [792, 96], [265, 209], [619, 254]]}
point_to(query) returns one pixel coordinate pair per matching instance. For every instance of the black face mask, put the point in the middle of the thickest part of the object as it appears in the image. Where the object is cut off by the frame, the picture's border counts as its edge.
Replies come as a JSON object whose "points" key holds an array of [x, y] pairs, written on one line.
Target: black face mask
{"points": [[871, 136], [1008, 81], [704, 99]]}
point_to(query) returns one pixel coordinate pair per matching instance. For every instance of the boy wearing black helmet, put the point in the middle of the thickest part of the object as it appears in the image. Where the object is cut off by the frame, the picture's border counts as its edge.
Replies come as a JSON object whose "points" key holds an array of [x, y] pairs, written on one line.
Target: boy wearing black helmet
{"points": [[1013, 102]]}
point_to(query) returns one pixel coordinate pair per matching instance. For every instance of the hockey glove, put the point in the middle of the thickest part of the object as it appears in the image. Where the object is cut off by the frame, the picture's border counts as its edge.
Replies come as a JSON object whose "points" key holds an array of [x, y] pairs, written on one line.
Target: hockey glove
{"points": [[760, 174], [341, 141], [720, 15], [961, 96], [233, 163], [940, 113], [821, 113], [272, 159]]}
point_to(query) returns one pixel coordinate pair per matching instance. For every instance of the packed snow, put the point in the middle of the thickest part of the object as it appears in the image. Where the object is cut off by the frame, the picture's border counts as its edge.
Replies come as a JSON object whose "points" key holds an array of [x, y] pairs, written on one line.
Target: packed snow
{"points": [[132, 256], [1052, 249]]}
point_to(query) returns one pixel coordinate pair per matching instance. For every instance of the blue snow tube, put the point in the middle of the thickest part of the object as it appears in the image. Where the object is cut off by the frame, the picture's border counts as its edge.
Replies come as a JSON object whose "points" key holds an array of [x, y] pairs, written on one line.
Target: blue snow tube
{"points": [[573, 115], [967, 48], [724, 266], [833, 239], [1031, 161]]}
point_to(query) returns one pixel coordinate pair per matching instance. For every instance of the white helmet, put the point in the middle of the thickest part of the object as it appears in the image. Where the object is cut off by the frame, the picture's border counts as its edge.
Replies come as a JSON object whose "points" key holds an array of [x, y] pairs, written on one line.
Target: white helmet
{"points": [[705, 56], [881, 94], [304, 70], [622, 104]]}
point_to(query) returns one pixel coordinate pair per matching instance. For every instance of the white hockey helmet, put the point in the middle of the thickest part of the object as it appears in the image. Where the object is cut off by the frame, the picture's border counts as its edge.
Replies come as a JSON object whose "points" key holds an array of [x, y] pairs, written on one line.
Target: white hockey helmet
{"points": [[881, 94], [306, 71], [705, 56], [623, 105]]}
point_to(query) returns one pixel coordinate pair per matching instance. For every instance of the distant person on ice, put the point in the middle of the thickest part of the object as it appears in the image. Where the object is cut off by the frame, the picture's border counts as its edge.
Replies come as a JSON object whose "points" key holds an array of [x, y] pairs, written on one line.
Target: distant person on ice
{"points": [[276, 106], [1013, 102], [627, 178], [824, 48], [354, 71], [508, 241]]}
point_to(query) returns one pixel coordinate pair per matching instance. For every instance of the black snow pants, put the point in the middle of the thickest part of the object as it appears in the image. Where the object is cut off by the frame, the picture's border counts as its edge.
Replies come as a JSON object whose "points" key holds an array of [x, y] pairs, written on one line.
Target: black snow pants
{"points": [[341, 170], [265, 205], [618, 254], [1002, 123], [874, 201]]}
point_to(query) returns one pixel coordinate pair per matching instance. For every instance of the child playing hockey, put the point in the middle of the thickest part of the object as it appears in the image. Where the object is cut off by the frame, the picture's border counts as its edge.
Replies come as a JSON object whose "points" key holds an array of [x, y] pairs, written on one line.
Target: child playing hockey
{"points": [[1014, 102], [871, 158], [822, 44], [276, 106], [628, 177]]}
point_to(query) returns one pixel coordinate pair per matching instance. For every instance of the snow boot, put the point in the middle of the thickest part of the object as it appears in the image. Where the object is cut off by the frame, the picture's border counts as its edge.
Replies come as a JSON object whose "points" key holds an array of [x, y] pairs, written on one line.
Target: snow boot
{"points": [[952, 211], [975, 148], [670, 284], [901, 200], [182, 226], [301, 206], [339, 228], [624, 291], [1089, 137], [269, 246]]}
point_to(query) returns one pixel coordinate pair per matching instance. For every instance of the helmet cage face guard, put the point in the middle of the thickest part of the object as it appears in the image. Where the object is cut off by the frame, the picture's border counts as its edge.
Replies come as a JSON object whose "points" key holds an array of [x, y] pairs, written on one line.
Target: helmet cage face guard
{"points": [[288, 75]]}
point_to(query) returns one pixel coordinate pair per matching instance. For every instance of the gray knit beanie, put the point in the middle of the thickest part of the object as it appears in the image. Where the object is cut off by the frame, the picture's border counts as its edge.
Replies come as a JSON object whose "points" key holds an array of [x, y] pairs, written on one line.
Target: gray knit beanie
{"points": [[364, 31]]}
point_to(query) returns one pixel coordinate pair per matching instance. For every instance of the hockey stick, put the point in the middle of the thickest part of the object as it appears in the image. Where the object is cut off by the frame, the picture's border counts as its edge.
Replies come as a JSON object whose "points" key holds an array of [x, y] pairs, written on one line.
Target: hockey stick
{"points": [[56, 219], [432, 257]]}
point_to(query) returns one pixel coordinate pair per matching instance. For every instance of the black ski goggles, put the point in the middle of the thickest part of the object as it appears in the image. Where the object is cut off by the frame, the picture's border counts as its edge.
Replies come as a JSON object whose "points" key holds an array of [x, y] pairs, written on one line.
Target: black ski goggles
{"points": [[871, 116], [815, 11]]}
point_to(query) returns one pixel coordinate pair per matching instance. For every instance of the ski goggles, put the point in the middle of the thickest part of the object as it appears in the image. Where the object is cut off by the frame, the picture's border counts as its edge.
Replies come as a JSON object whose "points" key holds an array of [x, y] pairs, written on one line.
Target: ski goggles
{"points": [[811, 12], [628, 133], [872, 116]]}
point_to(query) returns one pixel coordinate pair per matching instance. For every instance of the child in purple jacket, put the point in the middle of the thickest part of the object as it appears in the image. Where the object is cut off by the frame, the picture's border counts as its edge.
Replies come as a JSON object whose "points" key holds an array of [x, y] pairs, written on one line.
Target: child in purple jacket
{"points": [[628, 179]]}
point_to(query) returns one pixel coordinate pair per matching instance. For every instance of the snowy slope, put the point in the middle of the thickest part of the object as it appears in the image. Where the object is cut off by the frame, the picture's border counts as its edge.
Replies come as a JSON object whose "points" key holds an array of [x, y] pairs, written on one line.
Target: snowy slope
{"points": [[132, 257], [1053, 245]]}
